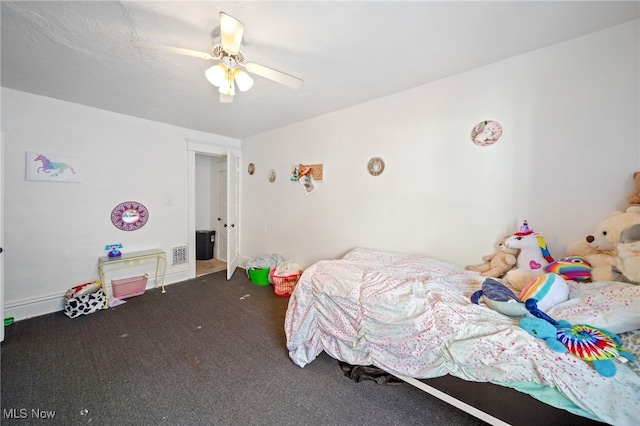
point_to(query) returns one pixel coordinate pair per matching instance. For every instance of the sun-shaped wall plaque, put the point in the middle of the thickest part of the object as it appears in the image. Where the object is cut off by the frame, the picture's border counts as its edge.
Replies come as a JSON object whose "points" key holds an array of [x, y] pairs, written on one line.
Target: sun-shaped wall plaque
{"points": [[129, 216]]}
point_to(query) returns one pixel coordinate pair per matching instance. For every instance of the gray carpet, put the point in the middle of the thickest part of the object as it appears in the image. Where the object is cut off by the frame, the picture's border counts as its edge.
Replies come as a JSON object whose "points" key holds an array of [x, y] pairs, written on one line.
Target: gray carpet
{"points": [[208, 352]]}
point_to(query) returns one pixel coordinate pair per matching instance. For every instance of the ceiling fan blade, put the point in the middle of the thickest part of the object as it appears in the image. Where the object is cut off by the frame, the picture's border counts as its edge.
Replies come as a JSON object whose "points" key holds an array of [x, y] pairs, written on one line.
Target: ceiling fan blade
{"points": [[231, 31], [275, 75], [171, 49], [226, 99]]}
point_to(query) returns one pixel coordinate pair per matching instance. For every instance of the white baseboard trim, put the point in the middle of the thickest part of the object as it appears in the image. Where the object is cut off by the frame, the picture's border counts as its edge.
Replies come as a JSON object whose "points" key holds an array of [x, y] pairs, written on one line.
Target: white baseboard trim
{"points": [[42, 305], [28, 308]]}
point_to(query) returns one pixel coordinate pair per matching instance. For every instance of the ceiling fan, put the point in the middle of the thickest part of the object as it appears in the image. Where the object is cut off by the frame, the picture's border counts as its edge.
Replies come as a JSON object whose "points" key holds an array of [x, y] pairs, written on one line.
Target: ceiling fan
{"points": [[228, 73]]}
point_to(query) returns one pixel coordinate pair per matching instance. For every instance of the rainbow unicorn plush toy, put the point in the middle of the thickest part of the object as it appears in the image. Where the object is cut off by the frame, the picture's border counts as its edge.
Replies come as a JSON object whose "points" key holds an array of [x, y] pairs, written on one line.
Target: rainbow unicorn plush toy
{"points": [[533, 259]]}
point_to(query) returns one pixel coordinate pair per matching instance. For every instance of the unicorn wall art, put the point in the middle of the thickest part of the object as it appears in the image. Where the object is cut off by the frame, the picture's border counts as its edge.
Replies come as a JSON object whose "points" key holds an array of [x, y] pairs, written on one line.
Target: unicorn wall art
{"points": [[51, 167]]}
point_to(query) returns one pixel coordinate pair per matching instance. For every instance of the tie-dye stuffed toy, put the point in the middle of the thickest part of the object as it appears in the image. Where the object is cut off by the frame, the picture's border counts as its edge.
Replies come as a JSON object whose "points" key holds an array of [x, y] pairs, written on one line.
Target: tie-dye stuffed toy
{"points": [[591, 344]]}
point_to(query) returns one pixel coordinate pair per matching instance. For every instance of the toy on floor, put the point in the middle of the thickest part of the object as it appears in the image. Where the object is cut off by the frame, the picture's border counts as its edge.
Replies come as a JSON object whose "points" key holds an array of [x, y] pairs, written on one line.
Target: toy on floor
{"points": [[591, 344], [497, 264], [532, 260]]}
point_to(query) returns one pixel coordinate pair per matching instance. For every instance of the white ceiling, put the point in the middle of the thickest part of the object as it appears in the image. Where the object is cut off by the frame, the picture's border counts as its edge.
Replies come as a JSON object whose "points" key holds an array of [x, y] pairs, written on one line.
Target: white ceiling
{"points": [[346, 52]]}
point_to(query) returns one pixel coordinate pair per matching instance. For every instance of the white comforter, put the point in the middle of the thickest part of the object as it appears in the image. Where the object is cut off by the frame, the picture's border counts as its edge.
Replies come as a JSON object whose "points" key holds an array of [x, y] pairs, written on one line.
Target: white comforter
{"points": [[411, 315]]}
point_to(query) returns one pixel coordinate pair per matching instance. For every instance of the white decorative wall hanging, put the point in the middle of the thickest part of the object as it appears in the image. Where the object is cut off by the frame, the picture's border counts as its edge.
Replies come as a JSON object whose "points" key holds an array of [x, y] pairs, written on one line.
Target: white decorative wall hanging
{"points": [[375, 166], [486, 133], [52, 167]]}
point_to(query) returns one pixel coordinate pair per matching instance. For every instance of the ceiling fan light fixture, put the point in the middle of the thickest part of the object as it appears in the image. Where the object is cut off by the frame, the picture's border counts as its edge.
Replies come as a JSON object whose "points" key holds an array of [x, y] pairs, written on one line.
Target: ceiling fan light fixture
{"points": [[228, 88], [217, 74], [242, 79], [225, 99], [230, 33]]}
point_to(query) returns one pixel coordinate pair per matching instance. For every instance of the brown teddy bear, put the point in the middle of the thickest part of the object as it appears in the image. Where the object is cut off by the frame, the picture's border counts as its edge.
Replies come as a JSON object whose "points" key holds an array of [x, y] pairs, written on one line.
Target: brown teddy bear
{"points": [[600, 249], [634, 198], [497, 264]]}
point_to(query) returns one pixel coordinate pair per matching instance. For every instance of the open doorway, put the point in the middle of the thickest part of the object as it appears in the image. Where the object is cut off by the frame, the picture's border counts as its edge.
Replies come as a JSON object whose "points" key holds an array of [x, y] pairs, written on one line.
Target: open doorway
{"points": [[210, 213], [229, 227]]}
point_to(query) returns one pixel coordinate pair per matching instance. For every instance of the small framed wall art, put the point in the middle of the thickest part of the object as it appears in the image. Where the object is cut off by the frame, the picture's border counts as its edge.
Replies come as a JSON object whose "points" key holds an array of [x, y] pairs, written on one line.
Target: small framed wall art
{"points": [[45, 167], [299, 170]]}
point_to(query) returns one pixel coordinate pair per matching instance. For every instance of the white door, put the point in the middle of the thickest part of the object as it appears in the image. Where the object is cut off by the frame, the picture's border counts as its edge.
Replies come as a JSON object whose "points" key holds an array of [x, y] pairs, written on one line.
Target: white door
{"points": [[221, 231], [231, 224]]}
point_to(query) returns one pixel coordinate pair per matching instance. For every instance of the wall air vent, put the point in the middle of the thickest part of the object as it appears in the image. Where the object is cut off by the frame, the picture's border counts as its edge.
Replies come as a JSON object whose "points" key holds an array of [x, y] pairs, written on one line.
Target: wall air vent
{"points": [[179, 254]]}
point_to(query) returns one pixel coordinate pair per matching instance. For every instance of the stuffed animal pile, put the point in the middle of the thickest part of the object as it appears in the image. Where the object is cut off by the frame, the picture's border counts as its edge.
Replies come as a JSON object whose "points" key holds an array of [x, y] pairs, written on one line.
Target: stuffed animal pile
{"points": [[523, 256], [610, 253]]}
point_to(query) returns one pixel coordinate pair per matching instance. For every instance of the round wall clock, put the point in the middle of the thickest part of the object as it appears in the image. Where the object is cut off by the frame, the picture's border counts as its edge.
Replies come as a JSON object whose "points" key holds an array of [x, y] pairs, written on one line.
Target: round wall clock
{"points": [[129, 216]]}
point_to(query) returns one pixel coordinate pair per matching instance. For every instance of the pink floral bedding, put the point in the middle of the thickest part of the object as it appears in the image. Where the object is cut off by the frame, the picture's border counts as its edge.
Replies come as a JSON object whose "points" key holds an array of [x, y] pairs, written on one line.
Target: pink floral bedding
{"points": [[411, 315]]}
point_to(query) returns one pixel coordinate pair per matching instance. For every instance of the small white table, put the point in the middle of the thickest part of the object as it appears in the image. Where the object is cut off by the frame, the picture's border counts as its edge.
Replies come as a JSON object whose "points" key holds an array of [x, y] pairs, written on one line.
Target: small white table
{"points": [[127, 260]]}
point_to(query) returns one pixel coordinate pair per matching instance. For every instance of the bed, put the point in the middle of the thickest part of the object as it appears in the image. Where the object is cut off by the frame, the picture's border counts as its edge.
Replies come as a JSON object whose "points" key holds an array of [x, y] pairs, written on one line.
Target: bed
{"points": [[411, 316]]}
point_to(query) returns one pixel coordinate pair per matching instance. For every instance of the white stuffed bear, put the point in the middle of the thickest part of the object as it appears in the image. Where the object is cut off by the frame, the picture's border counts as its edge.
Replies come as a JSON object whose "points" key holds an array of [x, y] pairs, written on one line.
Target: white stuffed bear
{"points": [[600, 249]]}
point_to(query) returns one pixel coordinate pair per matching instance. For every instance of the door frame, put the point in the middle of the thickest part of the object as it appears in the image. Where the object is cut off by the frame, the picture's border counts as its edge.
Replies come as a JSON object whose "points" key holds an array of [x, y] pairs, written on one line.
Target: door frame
{"points": [[202, 148], [222, 182], [2, 234]]}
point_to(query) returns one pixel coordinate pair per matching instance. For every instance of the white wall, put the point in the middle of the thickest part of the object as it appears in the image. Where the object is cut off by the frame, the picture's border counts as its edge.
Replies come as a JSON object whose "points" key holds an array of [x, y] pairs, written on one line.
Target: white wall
{"points": [[55, 232], [570, 144]]}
